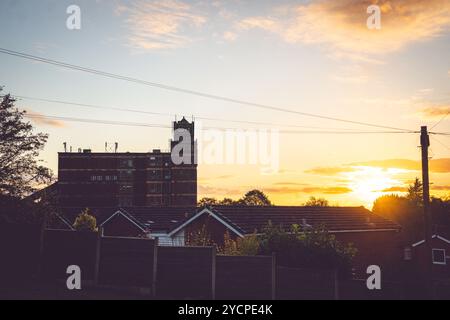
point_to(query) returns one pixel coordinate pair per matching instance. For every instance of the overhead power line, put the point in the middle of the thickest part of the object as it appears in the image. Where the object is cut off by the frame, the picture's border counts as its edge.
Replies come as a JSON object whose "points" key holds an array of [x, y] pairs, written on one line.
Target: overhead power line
{"points": [[137, 124], [441, 143], [187, 91], [172, 115], [442, 119]]}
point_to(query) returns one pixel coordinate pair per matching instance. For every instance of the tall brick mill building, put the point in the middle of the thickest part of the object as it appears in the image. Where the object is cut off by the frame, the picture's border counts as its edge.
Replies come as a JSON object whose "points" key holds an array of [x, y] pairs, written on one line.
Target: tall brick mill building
{"points": [[108, 179]]}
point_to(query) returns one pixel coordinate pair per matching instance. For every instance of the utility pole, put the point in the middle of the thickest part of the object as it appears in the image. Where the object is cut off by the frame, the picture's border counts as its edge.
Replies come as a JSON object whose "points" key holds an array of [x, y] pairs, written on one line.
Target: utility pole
{"points": [[425, 143]]}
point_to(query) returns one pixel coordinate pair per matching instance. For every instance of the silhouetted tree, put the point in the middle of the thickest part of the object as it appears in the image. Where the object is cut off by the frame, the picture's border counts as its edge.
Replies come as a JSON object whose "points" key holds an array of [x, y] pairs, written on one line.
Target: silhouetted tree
{"points": [[316, 202], [207, 202], [255, 198], [20, 172], [251, 198], [406, 211], [415, 193]]}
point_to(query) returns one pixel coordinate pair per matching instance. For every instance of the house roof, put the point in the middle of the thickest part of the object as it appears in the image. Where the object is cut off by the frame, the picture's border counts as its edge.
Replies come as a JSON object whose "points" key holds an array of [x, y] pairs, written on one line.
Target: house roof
{"points": [[155, 219], [161, 219], [434, 236], [244, 219], [248, 219]]}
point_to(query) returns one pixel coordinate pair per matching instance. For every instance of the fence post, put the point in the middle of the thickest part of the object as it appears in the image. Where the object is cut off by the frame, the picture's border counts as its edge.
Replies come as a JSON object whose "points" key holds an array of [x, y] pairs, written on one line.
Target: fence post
{"points": [[274, 276], [40, 266], [213, 274], [97, 257], [155, 266], [336, 284]]}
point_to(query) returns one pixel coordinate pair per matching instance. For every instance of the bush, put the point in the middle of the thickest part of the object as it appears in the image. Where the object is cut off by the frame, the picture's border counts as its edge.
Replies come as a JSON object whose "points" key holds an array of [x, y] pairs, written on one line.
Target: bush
{"points": [[307, 248], [85, 222]]}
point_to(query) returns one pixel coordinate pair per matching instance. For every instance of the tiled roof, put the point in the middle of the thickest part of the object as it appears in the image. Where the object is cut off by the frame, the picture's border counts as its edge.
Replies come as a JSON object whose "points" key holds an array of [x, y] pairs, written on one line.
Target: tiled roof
{"points": [[100, 213], [161, 219], [156, 219], [246, 219], [251, 218]]}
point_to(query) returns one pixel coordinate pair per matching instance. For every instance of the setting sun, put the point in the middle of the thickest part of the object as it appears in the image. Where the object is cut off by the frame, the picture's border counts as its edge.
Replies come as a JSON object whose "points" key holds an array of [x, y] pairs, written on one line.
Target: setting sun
{"points": [[368, 183]]}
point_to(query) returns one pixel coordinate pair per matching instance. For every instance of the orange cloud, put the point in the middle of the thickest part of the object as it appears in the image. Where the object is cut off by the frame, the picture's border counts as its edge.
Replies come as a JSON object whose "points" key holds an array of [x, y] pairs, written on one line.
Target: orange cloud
{"points": [[435, 112], [312, 189], [440, 188], [341, 24], [40, 119], [395, 189], [329, 171], [327, 190], [436, 165]]}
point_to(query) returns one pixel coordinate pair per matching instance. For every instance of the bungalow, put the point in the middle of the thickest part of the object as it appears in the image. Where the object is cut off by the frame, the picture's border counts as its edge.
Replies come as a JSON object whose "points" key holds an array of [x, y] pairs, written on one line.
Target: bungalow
{"points": [[377, 239]]}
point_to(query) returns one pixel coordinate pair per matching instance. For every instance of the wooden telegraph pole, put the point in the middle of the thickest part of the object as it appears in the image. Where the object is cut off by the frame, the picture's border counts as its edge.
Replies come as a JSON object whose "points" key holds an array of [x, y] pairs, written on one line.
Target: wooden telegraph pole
{"points": [[425, 143]]}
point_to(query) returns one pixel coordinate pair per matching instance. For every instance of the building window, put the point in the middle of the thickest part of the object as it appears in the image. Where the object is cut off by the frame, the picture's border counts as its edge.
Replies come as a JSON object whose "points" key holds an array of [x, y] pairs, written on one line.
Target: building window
{"points": [[407, 254], [439, 256]]}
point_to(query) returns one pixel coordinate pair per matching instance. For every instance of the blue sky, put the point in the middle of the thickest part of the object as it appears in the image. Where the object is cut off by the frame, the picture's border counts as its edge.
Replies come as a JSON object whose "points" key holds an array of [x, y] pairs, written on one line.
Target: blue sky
{"points": [[310, 56]]}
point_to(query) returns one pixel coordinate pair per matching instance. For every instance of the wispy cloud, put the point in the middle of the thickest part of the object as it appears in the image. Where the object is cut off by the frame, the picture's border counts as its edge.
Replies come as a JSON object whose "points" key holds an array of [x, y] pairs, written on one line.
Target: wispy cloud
{"points": [[434, 112], [395, 189], [436, 165], [327, 190], [40, 119], [309, 190], [341, 24], [160, 24], [329, 171]]}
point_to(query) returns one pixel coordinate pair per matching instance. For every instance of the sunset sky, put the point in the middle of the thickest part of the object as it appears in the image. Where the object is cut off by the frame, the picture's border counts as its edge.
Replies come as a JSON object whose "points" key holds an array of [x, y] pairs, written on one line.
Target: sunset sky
{"points": [[310, 56]]}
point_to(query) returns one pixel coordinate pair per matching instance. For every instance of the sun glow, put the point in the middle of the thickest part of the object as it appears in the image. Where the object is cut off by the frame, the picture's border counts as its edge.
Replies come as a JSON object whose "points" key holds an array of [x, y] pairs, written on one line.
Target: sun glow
{"points": [[369, 183]]}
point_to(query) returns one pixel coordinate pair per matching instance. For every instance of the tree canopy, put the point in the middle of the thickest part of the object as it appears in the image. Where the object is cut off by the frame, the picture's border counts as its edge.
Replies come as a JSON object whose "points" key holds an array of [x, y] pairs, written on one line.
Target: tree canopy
{"points": [[316, 202], [85, 221], [251, 198], [407, 211], [20, 170]]}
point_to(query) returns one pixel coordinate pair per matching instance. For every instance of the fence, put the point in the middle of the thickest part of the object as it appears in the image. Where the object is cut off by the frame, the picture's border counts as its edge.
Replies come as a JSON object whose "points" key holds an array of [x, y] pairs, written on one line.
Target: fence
{"points": [[172, 272], [185, 273], [20, 247], [245, 277], [64, 248], [119, 256], [301, 284]]}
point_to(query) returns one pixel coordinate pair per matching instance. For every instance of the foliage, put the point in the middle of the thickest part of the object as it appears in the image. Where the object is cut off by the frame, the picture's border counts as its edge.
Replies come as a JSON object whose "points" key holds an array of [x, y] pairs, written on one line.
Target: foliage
{"points": [[407, 211], [247, 246], [207, 202], [402, 211], [307, 248], [415, 193], [85, 222], [251, 198], [255, 198], [199, 238], [316, 202], [20, 171]]}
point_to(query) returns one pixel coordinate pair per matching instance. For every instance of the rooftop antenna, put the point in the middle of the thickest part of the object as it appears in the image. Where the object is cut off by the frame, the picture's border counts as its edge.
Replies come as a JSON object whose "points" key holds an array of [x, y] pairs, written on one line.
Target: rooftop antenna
{"points": [[116, 147], [70, 148], [106, 146], [65, 146]]}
